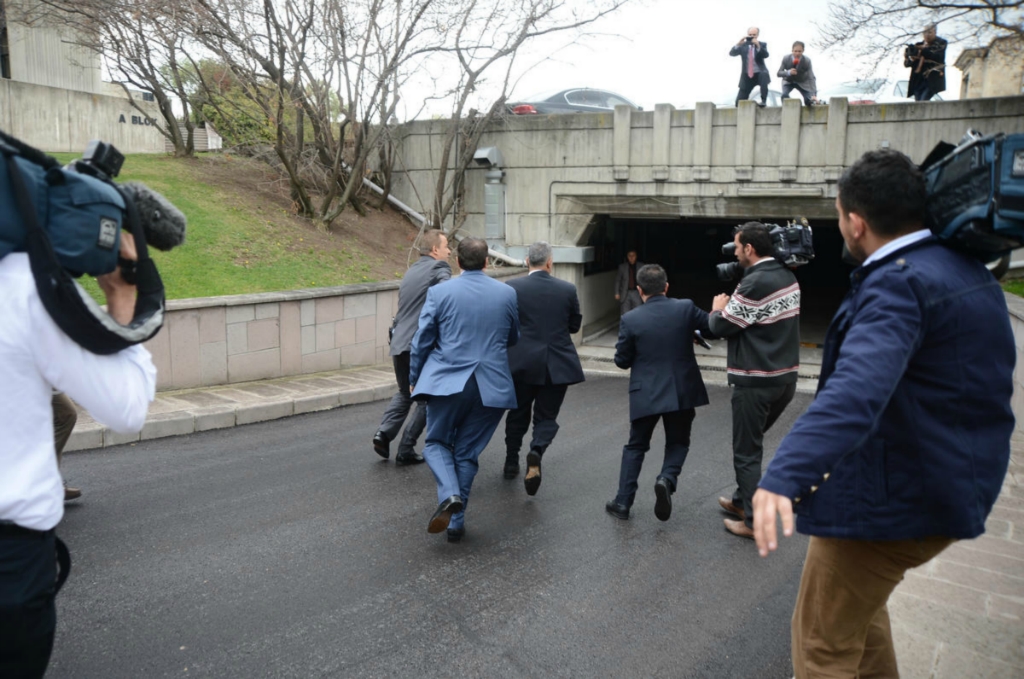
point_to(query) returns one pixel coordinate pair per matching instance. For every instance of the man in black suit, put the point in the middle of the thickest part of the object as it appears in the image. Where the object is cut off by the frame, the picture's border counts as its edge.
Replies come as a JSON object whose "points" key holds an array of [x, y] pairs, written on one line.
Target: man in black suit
{"points": [[927, 63], [544, 362], [754, 72], [664, 383]]}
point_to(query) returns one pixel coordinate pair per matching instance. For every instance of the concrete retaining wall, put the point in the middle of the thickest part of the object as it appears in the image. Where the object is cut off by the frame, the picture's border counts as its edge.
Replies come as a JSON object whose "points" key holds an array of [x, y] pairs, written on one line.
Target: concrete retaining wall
{"points": [[63, 121], [241, 338]]}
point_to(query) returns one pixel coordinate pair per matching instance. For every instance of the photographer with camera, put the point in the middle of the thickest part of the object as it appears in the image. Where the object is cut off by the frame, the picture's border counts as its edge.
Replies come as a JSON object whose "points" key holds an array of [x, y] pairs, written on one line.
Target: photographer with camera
{"points": [[927, 63], [906, 444], [754, 72], [35, 357], [761, 321]]}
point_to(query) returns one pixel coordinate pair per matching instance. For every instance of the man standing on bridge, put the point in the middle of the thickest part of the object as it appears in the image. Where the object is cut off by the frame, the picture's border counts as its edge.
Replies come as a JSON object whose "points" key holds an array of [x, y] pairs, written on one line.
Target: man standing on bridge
{"points": [[459, 363], [664, 384], [431, 268], [762, 323], [544, 362], [754, 72], [906, 444]]}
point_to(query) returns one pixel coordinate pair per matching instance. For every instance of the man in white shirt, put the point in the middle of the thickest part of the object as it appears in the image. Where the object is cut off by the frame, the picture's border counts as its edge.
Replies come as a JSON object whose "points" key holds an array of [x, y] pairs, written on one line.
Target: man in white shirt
{"points": [[36, 357]]}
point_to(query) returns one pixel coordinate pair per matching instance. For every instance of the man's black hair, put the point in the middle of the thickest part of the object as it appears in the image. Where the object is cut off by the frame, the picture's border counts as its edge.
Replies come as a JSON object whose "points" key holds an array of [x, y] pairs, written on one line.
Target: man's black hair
{"points": [[887, 189], [472, 254], [652, 279], [756, 234]]}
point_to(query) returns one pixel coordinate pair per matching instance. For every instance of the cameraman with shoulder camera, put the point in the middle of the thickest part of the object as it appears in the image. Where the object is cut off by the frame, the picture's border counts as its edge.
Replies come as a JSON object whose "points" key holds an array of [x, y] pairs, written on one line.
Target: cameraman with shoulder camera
{"points": [[762, 323], [35, 357], [906, 444]]}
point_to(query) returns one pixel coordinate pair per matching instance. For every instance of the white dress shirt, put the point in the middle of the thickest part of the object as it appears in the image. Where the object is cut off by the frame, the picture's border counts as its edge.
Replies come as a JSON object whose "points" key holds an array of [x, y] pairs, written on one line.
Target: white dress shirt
{"points": [[893, 245], [35, 357]]}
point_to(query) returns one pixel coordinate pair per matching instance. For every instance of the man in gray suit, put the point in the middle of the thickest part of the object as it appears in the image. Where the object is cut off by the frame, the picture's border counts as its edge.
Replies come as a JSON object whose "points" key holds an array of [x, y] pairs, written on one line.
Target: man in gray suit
{"points": [[625, 283], [797, 74], [431, 268]]}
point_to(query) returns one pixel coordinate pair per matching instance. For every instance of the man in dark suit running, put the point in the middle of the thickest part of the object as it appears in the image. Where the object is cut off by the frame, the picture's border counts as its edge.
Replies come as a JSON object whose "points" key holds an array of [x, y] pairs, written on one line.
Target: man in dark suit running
{"points": [[430, 269], [544, 362], [664, 383]]}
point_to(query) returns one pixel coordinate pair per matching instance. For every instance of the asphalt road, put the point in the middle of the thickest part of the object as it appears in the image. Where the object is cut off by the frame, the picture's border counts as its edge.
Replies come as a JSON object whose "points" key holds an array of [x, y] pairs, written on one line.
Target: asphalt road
{"points": [[289, 549]]}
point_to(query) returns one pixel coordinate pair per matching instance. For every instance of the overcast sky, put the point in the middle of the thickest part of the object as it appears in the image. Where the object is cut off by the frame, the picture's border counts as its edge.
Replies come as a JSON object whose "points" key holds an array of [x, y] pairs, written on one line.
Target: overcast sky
{"points": [[677, 52]]}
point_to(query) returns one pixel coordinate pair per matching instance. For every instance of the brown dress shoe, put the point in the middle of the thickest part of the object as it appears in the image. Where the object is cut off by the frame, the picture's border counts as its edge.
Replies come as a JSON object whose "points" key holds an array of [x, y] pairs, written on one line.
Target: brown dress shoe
{"points": [[739, 528], [71, 493], [728, 506]]}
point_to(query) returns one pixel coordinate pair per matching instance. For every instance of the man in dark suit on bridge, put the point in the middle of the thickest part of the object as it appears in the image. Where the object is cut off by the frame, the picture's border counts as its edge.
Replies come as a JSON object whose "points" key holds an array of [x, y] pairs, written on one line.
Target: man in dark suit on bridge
{"points": [[459, 363], [544, 362], [754, 72], [655, 342], [430, 269]]}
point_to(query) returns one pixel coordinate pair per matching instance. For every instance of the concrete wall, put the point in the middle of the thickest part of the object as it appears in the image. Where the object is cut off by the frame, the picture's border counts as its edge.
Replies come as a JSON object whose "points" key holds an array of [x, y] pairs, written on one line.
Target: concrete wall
{"points": [[43, 55], [742, 163], [60, 120], [240, 338]]}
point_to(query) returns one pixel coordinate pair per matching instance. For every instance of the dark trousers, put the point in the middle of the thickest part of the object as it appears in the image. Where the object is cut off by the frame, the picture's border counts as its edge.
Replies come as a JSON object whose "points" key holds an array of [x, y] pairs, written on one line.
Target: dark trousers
{"points": [[754, 411], [28, 617], [398, 409], [677, 444], [923, 92], [747, 86], [545, 400], [789, 87]]}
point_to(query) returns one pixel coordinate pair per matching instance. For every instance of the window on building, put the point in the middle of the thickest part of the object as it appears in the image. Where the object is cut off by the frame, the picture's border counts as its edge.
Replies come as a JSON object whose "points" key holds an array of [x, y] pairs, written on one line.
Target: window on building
{"points": [[5, 51], [147, 96]]}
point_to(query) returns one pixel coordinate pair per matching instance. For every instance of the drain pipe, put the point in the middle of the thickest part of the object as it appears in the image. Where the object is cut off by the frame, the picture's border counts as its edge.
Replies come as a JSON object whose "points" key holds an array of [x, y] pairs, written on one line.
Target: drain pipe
{"points": [[417, 217]]}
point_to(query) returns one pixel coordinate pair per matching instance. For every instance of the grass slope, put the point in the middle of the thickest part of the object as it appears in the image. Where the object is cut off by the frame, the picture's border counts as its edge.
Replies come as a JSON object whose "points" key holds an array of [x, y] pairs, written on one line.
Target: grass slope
{"points": [[242, 238]]}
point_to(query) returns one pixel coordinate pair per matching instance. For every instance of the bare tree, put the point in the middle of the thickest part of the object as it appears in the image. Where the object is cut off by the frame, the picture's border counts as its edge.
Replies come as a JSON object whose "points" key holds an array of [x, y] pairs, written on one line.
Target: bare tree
{"points": [[878, 30]]}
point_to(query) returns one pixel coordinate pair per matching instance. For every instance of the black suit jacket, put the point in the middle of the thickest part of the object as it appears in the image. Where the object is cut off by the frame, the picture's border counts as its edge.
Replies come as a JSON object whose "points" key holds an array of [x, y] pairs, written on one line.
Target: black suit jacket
{"points": [[656, 341], [549, 312], [759, 57]]}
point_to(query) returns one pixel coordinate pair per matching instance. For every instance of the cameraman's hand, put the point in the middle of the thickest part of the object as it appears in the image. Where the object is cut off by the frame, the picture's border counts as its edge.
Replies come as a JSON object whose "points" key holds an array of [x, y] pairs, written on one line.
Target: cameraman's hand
{"points": [[120, 294], [720, 302]]}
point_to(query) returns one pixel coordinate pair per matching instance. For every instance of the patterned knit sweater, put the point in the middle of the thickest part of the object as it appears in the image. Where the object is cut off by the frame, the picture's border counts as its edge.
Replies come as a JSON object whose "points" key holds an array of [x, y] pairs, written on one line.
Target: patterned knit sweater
{"points": [[762, 324]]}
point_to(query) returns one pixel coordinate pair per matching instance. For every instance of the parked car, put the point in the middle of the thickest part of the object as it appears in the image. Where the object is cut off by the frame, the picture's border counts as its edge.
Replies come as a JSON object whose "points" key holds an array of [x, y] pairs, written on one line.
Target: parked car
{"points": [[579, 100], [871, 91]]}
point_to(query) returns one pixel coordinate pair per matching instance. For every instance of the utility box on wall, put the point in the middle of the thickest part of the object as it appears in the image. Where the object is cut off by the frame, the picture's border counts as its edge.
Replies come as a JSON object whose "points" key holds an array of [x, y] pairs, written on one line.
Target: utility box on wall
{"points": [[494, 210]]}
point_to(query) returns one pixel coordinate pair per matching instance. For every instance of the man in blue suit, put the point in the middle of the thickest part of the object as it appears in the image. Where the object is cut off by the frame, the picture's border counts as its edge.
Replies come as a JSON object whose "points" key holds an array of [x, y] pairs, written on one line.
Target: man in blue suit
{"points": [[655, 341], [459, 363]]}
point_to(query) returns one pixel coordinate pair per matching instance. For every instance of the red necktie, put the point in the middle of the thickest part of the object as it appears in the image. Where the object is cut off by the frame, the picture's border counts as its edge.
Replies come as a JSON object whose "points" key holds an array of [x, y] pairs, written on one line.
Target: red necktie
{"points": [[750, 62]]}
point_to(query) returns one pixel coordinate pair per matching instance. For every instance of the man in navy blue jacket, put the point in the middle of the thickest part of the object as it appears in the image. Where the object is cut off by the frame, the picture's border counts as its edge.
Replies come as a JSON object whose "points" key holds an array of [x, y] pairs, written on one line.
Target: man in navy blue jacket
{"points": [[655, 343], [905, 447]]}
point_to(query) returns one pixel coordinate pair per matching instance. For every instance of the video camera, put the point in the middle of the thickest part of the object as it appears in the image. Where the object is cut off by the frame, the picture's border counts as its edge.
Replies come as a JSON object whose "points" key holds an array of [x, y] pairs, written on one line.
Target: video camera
{"points": [[792, 246], [976, 194], [69, 221]]}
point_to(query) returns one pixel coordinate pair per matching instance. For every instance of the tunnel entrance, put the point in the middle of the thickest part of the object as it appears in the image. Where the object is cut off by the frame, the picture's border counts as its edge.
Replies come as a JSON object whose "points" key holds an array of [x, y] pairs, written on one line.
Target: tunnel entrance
{"points": [[690, 248]]}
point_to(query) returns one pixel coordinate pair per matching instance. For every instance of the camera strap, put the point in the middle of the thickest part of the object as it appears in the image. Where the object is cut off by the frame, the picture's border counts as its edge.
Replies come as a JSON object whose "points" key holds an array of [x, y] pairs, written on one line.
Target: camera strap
{"points": [[70, 307]]}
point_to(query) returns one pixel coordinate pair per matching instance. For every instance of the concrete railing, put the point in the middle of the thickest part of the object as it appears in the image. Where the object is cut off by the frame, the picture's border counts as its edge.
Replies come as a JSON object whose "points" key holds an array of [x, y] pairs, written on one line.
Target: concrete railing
{"points": [[241, 338], [1016, 306]]}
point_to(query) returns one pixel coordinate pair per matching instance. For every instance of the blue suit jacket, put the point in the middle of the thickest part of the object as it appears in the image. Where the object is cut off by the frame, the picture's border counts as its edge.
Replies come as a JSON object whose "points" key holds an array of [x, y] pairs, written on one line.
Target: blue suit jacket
{"points": [[466, 327], [909, 435], [656, 341]]}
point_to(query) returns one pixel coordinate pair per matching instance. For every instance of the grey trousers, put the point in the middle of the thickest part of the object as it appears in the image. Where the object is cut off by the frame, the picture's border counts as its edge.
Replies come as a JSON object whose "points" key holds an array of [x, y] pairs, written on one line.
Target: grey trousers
{"points": [[754, 411], [64, 417], [629, 302], [398, 409]]}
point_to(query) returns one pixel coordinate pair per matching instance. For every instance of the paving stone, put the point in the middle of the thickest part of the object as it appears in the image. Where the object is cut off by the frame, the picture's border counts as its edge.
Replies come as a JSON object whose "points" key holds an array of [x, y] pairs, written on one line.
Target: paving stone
{"points": [[113, 438], [203, 398], [978, 578], [916, 655], [263, 389], [309, 404], [261, 412], [218, 417], [986, 560], [84, 438], [999, 528], [236, 396], [354, 396], [944, 593], [1006, 609], [168, 424], [960, 662]]}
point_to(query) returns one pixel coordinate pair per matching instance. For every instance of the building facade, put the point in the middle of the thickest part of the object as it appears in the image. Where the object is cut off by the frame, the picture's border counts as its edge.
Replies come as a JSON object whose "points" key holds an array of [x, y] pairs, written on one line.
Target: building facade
{"points": [[993, 71]]}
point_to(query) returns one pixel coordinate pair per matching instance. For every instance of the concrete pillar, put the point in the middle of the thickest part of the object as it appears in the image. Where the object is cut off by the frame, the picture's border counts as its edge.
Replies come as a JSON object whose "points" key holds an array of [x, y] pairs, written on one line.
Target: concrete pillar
{"points": [[620, 157], [745, 119], [835, 138], [662, 140], [789, 140], [703, 116]]}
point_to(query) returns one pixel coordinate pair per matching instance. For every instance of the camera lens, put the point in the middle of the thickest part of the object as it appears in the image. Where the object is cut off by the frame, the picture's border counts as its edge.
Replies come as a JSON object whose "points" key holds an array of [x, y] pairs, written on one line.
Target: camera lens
{"points": [[729, 272], [729, 249]]}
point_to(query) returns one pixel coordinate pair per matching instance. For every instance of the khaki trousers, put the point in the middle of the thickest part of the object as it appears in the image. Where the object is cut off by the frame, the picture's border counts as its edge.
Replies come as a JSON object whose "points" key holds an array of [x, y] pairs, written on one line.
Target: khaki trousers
{"points": [[64, 417], [841, 623]]}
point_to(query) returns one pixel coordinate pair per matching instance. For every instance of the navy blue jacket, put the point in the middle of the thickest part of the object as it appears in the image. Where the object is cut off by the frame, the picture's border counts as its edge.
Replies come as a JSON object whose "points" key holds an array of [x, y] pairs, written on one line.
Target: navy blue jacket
{"points": [[909, 434], [656, 343], [549, 312]]}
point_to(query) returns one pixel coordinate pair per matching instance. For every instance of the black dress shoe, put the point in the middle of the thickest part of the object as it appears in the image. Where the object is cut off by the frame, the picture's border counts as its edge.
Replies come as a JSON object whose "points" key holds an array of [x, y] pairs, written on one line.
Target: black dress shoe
{"points": [[382, 445], [412, 457], [439, 521], [663, 500], [532, 480], [511, 468], [455, 534], [617, 510]]}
